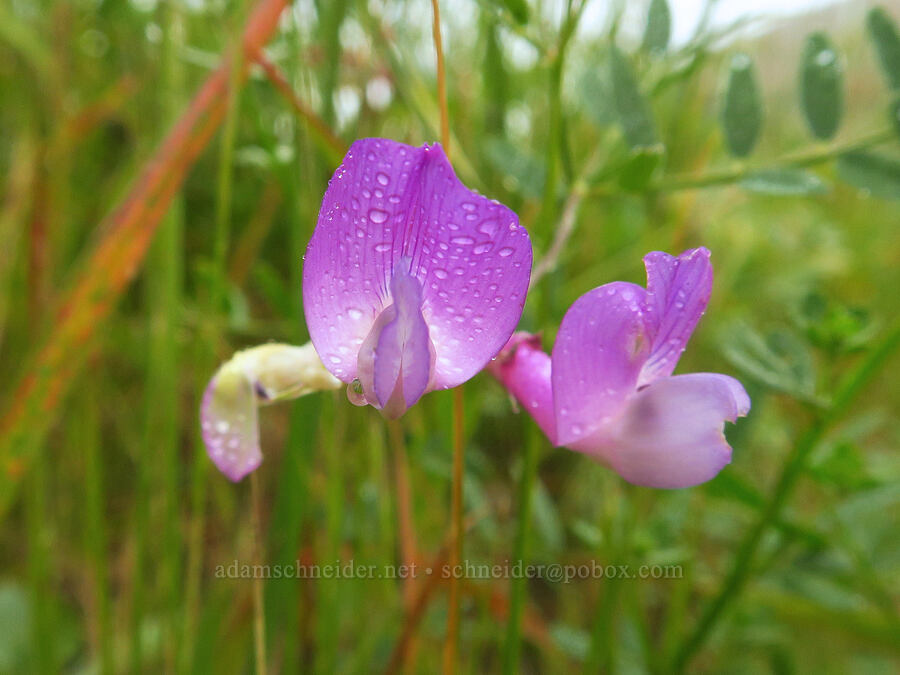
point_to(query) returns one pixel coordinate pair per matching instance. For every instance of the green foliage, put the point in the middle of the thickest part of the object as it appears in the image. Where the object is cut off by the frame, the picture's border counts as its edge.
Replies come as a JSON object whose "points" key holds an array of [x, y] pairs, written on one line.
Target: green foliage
{"points": [[784, 182], [658, 27], [109, 549], [883, 32], [632, 109], [742, 110], [877, 174], [517, 8], [821, 86]]}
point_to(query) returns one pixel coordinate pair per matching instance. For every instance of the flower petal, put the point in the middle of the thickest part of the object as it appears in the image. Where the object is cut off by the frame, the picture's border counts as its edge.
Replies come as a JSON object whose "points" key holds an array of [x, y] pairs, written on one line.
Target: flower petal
{"points": [[388, 201], [600, 349], [358, 237], [474, 261], [396, 359], [678, 291], [670, 435], [523, 367], [228, 419], [252, 377]]}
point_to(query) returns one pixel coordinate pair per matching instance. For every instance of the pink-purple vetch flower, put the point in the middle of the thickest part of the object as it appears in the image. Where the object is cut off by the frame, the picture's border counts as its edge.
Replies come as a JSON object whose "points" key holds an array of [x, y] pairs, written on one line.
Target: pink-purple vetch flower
{"points": [[251, 378], [411, 281], [607, 389]]}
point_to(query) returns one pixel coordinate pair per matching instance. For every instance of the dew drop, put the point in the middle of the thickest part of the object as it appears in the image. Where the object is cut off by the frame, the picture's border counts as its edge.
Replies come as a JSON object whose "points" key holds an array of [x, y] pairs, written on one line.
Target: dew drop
{"points": [[505, 252], [377, 216], [462, 240], [488, 227]]}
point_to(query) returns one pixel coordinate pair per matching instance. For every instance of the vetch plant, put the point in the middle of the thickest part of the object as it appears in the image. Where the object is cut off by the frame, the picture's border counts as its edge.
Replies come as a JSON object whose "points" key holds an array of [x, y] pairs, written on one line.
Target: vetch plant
{"points": [[607, 389], [411, 282], [251, 378]]}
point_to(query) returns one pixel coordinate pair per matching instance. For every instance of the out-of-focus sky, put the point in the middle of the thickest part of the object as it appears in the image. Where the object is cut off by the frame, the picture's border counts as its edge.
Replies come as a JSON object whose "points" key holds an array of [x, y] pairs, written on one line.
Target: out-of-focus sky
{"points": [[686, 13]]}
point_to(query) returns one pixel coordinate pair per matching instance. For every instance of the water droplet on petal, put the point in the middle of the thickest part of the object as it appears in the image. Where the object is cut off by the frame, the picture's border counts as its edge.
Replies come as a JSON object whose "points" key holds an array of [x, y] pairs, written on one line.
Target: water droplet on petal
{"points": [[463, 240]]}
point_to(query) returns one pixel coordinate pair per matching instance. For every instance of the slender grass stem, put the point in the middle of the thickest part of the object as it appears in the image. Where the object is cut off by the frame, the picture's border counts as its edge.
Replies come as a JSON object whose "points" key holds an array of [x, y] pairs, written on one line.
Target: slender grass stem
{"points": [[441, 76], [518, 585], [95, 526], [259, 610], [570, 21], [43, 621], [216, 298], [405, 521], [790, 473], [328, 607], [456, 529], [456, 508], [161, 403]]}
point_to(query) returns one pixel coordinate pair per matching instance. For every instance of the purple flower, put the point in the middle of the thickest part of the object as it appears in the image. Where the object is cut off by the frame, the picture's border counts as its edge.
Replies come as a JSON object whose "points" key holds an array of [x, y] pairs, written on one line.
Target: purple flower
{"points": [[608, 391], [412, 282], [251, 378]]}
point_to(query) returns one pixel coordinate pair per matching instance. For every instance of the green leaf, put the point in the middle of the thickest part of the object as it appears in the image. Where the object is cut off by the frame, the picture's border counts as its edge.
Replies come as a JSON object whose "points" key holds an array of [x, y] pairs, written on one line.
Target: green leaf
{"points": [[821, 86], [894, 115], [597, 99], [522, 173], [833, 326], [15, 619], [589, 534], [742, 109], [547, 522], [781, 361], [517, 8], [659, 27], [784, 182], [632, 109], [573, 642], [878, 174], [843, 466], [884, 36], [640, 166]]}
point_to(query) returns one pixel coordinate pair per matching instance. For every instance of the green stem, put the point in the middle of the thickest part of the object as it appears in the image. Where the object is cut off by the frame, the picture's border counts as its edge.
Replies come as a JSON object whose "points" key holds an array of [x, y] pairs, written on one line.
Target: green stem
{"points": [[791, 472], [96, 537], [518, 585], [216, 299], [451, 643], [163, 297], [554, 124], [259, 611], [804, 159], [43, 633], [328, 610]]}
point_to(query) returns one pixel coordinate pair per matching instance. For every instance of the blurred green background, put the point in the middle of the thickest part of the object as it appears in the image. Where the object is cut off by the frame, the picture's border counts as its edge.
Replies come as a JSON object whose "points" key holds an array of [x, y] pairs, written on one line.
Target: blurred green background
{"points": [[109, 546]]}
